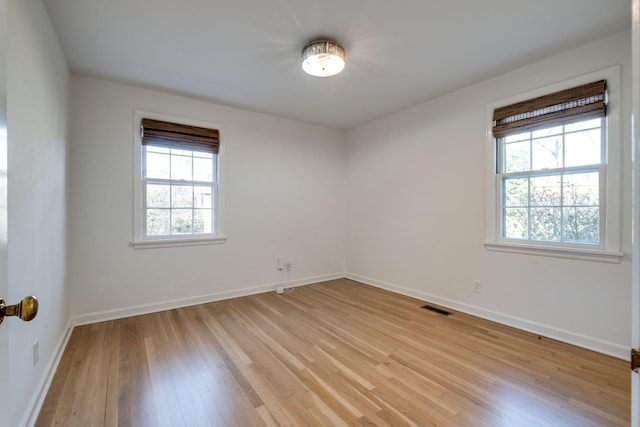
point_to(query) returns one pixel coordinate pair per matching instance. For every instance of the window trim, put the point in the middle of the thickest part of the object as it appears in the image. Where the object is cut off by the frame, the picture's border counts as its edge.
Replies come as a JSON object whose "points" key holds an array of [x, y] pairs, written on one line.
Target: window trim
{"points": [[139, 241], [610, 248]]}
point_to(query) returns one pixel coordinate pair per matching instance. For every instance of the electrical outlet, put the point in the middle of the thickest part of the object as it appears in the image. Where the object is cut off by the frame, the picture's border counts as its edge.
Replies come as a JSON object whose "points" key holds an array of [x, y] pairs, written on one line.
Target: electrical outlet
{"points": [[477, 287], [282, 261], [287, 265], [36, 352]]}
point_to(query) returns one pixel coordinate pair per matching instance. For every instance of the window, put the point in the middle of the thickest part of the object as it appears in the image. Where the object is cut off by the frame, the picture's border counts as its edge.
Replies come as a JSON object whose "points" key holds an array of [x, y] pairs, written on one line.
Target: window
{"points": [[550, 183], [177, 183], [555, 174]]}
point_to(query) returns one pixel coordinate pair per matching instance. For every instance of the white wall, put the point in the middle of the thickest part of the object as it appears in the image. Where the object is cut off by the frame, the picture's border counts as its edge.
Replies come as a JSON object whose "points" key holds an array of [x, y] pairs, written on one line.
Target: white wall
{"points": [[415, 206], [37, 113], [416, 214], [284, 197]]}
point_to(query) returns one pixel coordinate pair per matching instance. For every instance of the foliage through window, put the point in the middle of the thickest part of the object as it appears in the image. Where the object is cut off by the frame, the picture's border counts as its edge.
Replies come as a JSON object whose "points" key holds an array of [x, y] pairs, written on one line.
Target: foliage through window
{"points": [[179, 190], [551, 179]]}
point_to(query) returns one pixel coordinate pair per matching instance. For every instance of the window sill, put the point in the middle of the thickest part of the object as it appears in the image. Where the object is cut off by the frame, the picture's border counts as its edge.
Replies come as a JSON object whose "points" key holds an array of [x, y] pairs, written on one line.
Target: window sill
{"points": [[557, 252], [168, 243]]}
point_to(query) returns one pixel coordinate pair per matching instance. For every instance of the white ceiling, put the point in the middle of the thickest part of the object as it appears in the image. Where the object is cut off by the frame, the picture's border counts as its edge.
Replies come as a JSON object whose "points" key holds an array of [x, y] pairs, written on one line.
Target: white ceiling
{"points": [[246, 53]]}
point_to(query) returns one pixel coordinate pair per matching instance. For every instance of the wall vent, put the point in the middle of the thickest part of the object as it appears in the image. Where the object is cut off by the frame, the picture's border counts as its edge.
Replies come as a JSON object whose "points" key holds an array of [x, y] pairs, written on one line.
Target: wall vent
{"points": [[437, 310]]}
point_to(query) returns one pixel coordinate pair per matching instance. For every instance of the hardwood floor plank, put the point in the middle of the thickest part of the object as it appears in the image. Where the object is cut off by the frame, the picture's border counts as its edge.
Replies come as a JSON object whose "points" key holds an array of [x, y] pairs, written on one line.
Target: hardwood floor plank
{"points": [[97, 376], [332, 353], [112, 331], [135, 403], [63, 391]]}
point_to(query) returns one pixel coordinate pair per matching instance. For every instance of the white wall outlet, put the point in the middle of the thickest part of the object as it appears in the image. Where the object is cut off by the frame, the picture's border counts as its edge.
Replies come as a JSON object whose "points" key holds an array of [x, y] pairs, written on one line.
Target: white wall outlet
{"points": [[288, 265], [281, 262], [477, 286], [36, 352]]}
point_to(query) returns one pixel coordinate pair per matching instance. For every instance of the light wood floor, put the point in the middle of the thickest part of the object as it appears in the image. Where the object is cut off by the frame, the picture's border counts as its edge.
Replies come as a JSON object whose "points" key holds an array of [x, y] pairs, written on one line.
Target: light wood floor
{"points": [[334, 353]]}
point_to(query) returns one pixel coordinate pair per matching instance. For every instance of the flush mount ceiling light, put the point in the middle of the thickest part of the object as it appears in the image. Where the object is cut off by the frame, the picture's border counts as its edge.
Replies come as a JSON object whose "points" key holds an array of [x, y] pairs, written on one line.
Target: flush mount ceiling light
{"points": [[323, 58]]}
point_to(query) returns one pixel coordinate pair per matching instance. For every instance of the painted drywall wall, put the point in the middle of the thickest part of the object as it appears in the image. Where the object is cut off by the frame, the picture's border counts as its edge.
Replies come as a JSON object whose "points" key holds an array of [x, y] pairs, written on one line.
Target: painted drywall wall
{"points": [[37, 115], [284, 197], [4, 282], [416, 214]]}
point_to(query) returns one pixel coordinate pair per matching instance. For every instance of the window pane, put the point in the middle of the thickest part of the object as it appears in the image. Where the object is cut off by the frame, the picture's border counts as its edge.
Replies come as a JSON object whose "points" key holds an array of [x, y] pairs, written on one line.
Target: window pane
{"points": [[545, 190], [546, 132], [582, 189], [202, 221], [157, 165], [518, 137], [203, 154], [516, 156], [181, 196], [582, 148], [581, 224], [158, 222], [516, 223], [516, 191], [202, 197], [181, 221], [203, 169], [181, 167], [586, 124], [547, 153], [156, 149], [179, 152], [545, 224], [158, 196]]}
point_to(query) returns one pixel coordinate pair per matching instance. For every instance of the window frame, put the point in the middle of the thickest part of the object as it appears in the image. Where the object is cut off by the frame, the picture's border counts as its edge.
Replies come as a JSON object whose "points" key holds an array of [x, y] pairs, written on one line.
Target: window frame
{"points": [[608, 250], [140, 240]]}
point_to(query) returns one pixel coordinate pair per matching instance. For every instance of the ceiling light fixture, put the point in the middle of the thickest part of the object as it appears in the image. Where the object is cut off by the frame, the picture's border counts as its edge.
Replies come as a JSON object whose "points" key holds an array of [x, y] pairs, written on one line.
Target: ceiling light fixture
{"points": [[323, 58]]}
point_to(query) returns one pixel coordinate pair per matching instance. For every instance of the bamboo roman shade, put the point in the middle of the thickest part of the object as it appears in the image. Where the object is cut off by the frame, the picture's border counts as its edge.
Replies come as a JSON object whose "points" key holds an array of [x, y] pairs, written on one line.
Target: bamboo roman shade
{"points": [[177, 135], [570, 105]]}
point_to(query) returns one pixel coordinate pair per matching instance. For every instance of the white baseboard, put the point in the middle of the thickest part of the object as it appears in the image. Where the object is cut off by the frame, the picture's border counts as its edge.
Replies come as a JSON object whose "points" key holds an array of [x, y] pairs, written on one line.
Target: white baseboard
{"points": [[580, 340], [35, 404], [119, 313]]}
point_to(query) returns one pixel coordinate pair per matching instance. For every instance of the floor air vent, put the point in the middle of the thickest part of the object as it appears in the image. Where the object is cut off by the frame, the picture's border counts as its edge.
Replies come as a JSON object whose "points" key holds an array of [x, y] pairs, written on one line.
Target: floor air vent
{"points": [[437, 310]]}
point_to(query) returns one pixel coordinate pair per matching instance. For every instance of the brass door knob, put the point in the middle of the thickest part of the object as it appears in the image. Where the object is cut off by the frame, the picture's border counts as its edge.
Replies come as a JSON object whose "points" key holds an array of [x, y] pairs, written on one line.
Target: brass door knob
{"points": [[25, 309]]}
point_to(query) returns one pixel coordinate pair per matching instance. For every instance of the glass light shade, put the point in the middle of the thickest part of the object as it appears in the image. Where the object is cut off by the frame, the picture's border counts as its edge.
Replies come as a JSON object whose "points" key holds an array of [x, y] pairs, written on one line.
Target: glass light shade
{"points": [[323, 58]]}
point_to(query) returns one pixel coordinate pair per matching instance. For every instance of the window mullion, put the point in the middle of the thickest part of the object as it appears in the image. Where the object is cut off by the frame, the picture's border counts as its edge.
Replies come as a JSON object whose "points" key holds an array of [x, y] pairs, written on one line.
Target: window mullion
{"points": [[602, 206], [557, 171], [146, 208], [212, 205], [529, 195], [562, 203], [529, 206], [170, 192], [530, 151], [529, 222], [604, 163], [193, 189], [144, 189]]}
